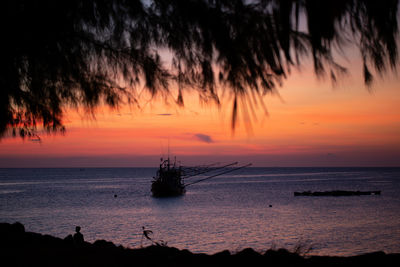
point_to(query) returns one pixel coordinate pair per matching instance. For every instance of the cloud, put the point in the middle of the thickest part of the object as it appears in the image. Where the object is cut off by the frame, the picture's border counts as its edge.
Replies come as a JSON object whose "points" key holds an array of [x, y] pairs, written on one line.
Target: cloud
{"points": [[203, 138], [165, 114]]}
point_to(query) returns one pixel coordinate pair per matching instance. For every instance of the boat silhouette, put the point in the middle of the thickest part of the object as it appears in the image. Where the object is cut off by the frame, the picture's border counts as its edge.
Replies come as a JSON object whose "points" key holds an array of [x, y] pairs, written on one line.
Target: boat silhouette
{"points": [[169, 179]]}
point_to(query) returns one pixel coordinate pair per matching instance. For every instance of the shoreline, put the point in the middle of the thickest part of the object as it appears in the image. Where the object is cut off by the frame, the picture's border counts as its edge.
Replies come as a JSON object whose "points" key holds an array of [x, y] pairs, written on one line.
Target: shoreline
{"points": [[21, 248]]}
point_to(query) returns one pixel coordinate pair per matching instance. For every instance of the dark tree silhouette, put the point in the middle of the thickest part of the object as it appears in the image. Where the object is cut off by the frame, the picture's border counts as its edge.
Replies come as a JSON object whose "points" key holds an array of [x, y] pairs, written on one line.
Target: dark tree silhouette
{"points": [[56, 54]]}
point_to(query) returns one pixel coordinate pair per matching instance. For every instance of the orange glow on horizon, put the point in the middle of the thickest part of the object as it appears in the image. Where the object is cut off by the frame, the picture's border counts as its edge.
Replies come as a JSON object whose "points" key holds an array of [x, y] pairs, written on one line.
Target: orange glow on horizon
{"points": [[310, 118]]}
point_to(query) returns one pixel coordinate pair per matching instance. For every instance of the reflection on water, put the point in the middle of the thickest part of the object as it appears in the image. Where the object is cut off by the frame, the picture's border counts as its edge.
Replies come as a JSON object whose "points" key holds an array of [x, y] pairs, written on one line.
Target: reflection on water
{"points": [[254, 207], [10, 191]]}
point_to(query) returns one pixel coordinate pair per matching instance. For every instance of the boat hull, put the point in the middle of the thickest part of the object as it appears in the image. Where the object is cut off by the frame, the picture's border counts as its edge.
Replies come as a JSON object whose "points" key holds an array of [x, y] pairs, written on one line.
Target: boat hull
{"points": [[160, 189]]}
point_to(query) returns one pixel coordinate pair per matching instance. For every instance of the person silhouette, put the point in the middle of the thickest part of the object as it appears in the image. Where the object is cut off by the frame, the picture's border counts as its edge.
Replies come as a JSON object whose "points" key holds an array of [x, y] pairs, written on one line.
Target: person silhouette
{"points": [[78, 237]]}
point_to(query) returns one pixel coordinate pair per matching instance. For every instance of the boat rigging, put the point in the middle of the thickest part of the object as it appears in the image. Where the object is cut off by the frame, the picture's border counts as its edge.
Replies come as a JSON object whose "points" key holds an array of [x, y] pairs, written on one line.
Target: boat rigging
{"points": [[169, 179]]}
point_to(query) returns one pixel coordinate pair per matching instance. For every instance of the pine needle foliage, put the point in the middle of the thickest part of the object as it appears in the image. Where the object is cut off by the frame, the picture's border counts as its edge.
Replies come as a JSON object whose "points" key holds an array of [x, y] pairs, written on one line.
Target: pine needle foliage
{"points": [[69, 53]]}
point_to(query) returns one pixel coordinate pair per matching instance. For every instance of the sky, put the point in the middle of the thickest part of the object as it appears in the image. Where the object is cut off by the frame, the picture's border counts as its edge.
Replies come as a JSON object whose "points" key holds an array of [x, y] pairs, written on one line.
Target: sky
{"points": [[310, 123]]}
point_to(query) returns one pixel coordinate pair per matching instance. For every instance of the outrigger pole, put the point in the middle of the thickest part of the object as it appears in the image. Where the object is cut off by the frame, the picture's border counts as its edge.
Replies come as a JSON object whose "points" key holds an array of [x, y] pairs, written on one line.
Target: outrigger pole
{"points": [[208, 170], [212, 176]]}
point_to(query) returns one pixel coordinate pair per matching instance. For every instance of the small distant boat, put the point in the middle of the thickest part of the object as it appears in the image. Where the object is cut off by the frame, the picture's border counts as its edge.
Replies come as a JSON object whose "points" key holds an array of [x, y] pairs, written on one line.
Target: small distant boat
{"points": [[337, 193], [169, 179]]}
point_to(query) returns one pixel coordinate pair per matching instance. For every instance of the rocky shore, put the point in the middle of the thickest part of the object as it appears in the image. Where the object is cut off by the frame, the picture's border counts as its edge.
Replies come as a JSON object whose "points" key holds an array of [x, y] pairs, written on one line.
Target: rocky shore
{"points": [[21, 248]]}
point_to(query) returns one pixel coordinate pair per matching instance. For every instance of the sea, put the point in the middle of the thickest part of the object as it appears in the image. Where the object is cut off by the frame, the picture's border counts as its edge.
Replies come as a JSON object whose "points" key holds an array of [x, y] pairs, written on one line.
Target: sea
{"points": [[252, 207]]}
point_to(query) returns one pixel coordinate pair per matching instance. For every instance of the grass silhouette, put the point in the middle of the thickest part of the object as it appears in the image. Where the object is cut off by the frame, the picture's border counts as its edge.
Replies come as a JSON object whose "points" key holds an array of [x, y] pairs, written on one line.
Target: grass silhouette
{"points": [[21, 248]]}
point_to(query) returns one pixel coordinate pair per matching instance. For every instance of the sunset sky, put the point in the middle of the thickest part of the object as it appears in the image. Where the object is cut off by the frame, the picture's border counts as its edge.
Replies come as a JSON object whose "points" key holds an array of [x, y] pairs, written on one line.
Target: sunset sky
{"points": [[311, 123]]}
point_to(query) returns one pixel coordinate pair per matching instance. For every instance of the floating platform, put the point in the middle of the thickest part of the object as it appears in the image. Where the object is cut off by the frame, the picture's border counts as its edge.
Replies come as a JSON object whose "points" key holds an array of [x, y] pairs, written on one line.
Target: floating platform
{"points": [[337, 193]]}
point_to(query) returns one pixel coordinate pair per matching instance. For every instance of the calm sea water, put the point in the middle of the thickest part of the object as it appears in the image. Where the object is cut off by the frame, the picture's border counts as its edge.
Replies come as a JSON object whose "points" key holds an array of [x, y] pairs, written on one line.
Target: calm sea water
{"points": [[228, 212]]}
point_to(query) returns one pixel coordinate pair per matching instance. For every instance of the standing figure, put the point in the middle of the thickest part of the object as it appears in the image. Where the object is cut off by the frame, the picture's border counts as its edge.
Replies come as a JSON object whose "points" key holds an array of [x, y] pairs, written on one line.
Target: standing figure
{"points": [[78, 237]]}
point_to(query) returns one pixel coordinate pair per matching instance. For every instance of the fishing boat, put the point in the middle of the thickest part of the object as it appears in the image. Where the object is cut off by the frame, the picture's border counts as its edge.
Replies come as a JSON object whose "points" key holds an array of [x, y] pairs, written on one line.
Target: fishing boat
{"points": [[169, 179]]}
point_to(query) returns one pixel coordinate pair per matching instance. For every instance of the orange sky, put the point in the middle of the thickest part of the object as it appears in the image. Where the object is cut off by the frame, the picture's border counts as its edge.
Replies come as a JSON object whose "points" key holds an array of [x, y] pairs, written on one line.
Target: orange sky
{"points": [[311, 124]]}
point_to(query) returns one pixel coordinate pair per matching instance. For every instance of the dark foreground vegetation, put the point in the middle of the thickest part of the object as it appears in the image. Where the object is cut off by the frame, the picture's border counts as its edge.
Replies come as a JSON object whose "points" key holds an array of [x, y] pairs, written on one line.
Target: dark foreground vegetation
{"points": [[67, 53], [20, 248]]}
